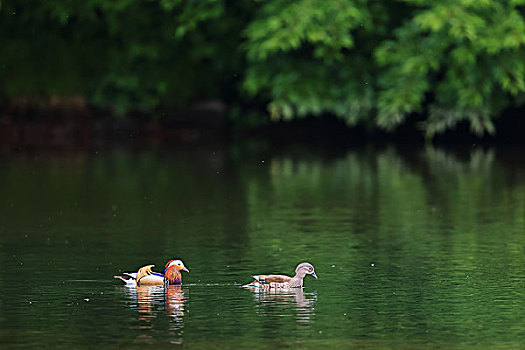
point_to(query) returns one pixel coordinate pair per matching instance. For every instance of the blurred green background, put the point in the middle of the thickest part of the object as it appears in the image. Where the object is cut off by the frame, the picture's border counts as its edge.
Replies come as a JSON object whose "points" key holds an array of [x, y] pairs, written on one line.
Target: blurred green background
{"points": [[439, 63]]}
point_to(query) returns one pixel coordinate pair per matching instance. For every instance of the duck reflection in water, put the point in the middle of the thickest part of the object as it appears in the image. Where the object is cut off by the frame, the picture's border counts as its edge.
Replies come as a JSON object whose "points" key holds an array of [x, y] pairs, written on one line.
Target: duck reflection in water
{"points": [[175, 301], [150, 301], [287, 302]]}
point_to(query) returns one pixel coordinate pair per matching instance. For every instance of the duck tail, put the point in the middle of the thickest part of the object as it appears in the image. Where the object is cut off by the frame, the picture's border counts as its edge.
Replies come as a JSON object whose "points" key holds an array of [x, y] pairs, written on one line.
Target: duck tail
{"points": [[253, 284], [126, 279]]}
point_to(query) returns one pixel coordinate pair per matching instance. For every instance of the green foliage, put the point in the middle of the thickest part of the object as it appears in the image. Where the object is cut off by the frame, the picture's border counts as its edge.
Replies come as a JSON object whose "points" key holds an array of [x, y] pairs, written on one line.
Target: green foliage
{"points": [[372, 62], [122, 55], [299, 57], [283, 26], [468, 54]]}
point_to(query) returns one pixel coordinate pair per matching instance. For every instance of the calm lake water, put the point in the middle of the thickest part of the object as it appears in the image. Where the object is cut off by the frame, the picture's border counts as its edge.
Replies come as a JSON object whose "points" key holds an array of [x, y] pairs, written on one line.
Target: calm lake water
{"points": [[414, 247]]}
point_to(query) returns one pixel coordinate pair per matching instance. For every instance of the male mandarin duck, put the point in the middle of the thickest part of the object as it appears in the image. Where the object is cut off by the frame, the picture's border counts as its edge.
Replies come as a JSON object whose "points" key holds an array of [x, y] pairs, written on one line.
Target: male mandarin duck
{"points": [[282, 281], [145, 277]]}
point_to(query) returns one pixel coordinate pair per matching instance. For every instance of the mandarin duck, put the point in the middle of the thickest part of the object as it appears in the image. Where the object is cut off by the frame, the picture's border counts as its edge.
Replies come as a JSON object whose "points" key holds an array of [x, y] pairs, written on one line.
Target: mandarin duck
{"points": [[282, 281], [171, 274]]}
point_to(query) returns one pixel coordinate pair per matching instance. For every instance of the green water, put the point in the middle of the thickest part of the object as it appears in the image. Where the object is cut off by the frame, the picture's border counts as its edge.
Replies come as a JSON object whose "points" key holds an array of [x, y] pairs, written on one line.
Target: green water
{"points": [[414, 248]]}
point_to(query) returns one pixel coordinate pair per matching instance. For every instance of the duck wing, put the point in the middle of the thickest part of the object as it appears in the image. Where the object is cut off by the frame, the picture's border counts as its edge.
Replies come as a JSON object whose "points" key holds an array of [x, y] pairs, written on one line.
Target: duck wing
{"points": [[152, 279], [146, 277], [267, 280]]}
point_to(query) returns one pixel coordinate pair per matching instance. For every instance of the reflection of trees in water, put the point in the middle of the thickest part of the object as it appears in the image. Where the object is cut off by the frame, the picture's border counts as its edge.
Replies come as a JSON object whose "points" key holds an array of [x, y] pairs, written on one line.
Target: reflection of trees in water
{"points": [[287, 302], [383, 188], [423, 214], [150, 301], [442, 161]]}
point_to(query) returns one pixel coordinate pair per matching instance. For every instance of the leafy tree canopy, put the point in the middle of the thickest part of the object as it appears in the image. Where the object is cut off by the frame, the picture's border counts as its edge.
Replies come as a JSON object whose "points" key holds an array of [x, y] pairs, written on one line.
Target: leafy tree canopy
{"points": [[371, 62]]}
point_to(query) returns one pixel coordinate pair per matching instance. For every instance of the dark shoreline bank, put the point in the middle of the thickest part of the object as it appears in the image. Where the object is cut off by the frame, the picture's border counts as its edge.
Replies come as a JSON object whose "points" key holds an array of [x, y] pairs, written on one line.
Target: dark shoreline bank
{"points": [[84, 128]]}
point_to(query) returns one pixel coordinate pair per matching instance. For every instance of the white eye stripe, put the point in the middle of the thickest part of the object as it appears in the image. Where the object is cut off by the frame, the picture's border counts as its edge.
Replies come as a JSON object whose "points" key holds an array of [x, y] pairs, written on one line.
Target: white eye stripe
{"points": [[178, 263]]}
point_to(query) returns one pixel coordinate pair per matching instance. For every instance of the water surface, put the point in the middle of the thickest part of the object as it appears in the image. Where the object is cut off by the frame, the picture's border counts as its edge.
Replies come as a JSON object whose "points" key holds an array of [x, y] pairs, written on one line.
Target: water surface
{"points": [[414, 248]]}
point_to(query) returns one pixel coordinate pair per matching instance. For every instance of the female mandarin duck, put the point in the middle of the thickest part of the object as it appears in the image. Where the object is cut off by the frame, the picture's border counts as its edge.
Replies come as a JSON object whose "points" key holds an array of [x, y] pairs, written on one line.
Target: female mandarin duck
{"points": [[145, 277], [282, 281]]}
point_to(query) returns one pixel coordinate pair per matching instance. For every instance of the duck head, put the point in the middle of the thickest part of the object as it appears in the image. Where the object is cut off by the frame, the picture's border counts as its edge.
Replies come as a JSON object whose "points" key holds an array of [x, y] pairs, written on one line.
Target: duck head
{"points": [[177, 264], [304, 269]]}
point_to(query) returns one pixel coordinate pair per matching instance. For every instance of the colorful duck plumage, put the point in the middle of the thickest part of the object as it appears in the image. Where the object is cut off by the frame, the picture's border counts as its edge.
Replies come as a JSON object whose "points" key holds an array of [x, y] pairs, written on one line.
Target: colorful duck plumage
{"points": [[172, 271], [283, 281], [170, 275], [146, 277]]}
